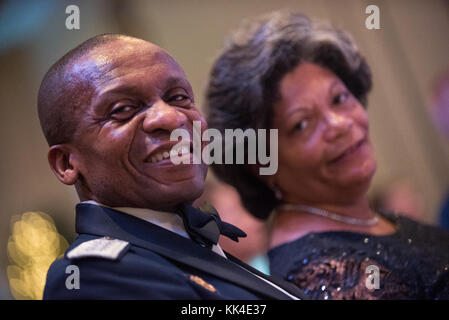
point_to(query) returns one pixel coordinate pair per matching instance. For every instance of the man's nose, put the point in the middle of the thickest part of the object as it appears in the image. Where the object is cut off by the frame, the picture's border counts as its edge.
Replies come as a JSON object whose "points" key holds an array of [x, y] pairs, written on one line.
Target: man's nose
{"points": [[162, 116], [337, 125]]}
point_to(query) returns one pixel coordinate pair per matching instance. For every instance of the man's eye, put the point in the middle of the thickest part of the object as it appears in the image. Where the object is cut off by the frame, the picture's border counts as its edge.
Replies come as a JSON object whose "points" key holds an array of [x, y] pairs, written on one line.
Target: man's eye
{"points": [[122, 109], [180, 99], [123, 112], [340, 98]]}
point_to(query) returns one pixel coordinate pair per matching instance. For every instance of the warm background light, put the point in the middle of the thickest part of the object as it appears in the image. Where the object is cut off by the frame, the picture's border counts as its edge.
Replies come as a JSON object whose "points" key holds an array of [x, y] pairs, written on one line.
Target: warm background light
{"points": [[33, 245]]}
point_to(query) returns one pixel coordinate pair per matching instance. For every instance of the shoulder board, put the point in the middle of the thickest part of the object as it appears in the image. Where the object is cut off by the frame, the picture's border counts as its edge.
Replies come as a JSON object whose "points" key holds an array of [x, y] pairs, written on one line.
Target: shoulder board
{"points": [[106, 248]]}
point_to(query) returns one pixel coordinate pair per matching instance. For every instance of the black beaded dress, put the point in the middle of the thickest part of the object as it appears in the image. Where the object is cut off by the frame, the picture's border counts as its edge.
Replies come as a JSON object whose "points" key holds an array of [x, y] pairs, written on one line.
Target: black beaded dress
{"points": [[412, 263]]}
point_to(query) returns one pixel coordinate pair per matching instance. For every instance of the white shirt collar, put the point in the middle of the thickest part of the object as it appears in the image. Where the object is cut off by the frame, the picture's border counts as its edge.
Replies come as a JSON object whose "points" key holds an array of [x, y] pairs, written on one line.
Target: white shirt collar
{"points": [[167, 220]]}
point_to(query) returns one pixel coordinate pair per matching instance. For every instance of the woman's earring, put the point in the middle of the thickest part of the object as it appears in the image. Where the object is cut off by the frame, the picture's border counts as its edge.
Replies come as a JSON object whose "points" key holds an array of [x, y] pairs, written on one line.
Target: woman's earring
{"points": [[277, 192]]}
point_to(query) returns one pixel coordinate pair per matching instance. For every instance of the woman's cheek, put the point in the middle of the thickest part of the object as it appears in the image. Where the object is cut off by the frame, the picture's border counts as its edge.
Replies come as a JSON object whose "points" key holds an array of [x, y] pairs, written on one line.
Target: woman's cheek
{"points": [[362, 117]]}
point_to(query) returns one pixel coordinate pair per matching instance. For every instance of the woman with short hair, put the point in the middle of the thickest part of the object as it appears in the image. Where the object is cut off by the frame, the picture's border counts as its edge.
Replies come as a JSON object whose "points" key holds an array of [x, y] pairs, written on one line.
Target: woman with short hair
{"points": [[307, 79]]}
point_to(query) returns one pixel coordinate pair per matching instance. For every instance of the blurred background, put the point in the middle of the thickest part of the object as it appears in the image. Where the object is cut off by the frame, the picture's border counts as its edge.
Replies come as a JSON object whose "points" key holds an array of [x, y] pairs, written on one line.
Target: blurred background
{"points": [[407, 54]]}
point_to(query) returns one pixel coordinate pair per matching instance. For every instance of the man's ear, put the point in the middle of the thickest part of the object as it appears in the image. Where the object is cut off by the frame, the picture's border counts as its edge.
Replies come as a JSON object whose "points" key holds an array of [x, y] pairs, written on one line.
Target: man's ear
{"points": [[62, 163]]}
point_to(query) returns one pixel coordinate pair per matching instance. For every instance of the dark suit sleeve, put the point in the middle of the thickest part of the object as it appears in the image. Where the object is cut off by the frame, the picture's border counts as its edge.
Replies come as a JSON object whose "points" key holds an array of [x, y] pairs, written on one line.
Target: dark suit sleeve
{"points": [[131, 277]]}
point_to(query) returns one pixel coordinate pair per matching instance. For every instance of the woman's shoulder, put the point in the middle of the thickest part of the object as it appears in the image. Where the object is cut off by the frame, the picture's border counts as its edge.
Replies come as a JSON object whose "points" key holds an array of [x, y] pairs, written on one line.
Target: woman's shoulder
{"points": [[408, 231], [419, 232]]}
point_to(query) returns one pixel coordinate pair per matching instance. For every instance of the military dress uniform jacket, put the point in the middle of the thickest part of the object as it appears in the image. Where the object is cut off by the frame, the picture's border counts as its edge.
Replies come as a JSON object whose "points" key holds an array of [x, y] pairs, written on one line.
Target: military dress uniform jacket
{"points": [[119, 256]]}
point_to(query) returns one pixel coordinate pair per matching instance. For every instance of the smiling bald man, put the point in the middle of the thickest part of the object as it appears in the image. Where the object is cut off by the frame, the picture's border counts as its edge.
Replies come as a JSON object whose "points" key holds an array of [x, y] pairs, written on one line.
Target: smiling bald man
{"points": [[107, 109]]}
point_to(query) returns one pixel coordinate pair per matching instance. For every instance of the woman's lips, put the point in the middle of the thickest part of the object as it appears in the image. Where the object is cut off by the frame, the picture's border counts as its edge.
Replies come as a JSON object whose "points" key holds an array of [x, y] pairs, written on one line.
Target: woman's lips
{"points": [[349, 152]]}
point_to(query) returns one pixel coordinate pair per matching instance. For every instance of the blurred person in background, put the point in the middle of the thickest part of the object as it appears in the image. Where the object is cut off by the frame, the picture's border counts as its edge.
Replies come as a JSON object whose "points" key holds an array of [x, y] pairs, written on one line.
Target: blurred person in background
{"points": [[439, 111], [307, 79]]}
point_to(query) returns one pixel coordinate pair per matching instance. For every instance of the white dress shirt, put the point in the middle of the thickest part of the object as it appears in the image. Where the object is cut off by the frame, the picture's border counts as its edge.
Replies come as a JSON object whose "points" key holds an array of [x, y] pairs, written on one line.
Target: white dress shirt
{"points": [[167, 220]]}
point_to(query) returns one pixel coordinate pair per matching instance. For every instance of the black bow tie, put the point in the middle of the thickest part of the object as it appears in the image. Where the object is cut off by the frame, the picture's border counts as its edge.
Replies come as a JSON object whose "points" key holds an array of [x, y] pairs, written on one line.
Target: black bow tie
{"points": [[205, 227]]}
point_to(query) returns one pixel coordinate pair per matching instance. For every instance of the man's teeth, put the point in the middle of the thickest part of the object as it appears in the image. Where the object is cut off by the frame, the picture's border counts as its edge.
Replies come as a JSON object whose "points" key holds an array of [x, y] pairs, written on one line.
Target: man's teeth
{"points": [[180, 151]]}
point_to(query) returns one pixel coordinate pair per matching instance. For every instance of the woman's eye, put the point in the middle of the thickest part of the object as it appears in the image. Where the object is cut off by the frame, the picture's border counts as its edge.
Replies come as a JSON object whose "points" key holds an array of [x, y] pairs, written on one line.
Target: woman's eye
{"points": [[340, 98], [301, 125]]}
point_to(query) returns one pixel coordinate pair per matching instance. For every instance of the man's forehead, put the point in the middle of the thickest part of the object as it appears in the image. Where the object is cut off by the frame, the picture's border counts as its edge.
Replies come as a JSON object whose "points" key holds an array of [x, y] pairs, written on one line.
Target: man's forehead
{"points": [[117, 57]]}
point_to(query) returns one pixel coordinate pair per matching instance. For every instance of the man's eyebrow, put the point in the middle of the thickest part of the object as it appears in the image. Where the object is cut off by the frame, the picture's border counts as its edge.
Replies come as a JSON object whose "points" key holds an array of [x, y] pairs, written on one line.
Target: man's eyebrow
{"points": [[103, 100], [122, 88], [174, 81]]}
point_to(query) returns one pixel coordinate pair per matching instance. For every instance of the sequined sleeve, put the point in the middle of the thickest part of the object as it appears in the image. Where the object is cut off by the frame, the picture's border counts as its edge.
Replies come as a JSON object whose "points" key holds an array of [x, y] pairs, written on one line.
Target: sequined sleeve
{"points": [[412, 263], [346, 278]]}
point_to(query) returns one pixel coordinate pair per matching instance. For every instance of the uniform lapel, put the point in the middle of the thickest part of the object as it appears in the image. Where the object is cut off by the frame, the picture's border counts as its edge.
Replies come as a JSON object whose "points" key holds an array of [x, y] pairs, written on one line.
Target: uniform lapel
{"points": [[102, 221], [287, 286]]}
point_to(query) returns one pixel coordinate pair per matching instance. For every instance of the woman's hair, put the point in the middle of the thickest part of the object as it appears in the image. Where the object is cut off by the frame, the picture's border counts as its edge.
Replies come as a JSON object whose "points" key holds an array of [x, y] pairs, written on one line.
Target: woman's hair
{"points": [[244, 83]]}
